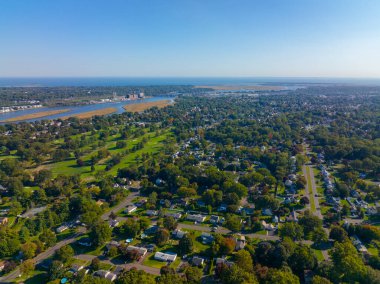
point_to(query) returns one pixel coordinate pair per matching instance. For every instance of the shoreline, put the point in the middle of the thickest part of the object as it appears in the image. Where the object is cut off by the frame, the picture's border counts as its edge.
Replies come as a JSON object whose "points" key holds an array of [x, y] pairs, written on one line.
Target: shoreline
{"points": [[35, 115], [92, 113]]}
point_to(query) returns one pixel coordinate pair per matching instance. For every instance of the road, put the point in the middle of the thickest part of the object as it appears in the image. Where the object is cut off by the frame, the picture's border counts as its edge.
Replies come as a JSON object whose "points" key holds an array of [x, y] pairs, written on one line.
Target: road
{"points": [[44, 255], [121, 205]]}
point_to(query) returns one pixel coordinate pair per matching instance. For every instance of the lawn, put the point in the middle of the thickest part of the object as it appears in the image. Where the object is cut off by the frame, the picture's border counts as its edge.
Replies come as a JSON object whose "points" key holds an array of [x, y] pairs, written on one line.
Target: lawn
{"points": [[309, 188], [70, 167], [318, 254]]}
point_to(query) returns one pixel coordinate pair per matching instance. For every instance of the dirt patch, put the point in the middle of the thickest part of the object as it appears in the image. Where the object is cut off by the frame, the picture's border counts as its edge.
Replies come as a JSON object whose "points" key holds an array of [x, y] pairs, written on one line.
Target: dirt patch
{"points": [[36, 115]]}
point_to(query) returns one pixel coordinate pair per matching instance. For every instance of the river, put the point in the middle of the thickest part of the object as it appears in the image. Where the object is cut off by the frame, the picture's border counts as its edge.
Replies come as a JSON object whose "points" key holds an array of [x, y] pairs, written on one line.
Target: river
{"points": [[73, 110]]}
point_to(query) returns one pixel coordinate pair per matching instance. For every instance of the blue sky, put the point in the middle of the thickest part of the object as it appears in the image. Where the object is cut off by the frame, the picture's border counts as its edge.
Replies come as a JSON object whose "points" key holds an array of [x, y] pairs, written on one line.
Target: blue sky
{"points": [[229, 38]]}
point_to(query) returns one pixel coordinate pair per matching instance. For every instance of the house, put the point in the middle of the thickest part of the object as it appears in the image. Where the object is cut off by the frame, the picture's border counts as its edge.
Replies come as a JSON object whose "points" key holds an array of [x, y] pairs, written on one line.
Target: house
{"points": [[151, 213], [61, 229], [112, 244], [113, 223], [168, 257], [151, 230], [2, 265], [3, 221], [240, 242], [85, 242], [106, 274], [177, 233], [219, 261], [207, 238], [198, 261], [214, 219], [275, 219], [76, 267], [359, 245], [292, 217], [268, 227], [222, 208], [196, 217], [150, 247], [174, 215], [140, 250], [130, 209], [267, 212]]}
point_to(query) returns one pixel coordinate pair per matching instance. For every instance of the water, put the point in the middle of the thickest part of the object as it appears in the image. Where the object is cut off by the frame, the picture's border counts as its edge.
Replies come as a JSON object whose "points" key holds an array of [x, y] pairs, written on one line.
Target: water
{"points": [[146, 81], [78, 109]]}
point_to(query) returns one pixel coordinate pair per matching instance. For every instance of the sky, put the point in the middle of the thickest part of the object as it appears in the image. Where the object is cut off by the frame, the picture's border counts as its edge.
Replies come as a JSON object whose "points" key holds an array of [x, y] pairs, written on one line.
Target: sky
{"points": [[190, 38]]}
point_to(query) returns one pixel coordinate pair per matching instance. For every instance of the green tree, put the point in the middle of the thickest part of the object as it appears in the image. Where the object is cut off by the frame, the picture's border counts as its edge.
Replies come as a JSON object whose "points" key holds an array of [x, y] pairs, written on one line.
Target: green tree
{"points": [[193, 275], [292, 230], [186, 245], [338, 233], [281, 277], [101, 233], [320, 280], [28, 250], [170, 223], [64, 254], [161, 237], [134, 276], [244, 260]]}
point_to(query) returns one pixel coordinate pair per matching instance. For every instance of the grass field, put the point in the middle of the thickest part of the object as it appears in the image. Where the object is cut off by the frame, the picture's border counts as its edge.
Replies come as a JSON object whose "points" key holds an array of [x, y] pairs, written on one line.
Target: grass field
{"points": [[69, 167], [36, 115], [139, 107], [309, 188]]}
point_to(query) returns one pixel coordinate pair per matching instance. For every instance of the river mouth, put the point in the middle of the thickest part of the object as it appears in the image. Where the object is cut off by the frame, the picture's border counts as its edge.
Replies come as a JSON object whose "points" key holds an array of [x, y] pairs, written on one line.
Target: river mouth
{"points": [[72, 111]]}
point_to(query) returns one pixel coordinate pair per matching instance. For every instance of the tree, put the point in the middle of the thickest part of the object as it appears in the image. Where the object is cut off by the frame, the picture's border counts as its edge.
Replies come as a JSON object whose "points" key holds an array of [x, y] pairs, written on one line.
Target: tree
{"points": [[186, 244], [236, 275], [320, 280], [161, 237], [27, 266], [95, 264], [244, 260], [291, 230], [319, 236], [28, 250], [170, 223], [309, 222], [131, 228], [134, 276], [233, 222], [338, 233], [193, 275], [282, 277], [170, 278], [48, 237], [100, 233], [302, 259], [56, 270], [65, 253], [347, 263]]}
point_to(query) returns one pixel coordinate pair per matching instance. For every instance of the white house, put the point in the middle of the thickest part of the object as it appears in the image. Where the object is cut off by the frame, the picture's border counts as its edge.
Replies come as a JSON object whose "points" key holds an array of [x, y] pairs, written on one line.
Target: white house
{"points": [[61, 229], [141, 251], [196, 217], [130, 209], [161, 256], [177, 233], [106, 274]]}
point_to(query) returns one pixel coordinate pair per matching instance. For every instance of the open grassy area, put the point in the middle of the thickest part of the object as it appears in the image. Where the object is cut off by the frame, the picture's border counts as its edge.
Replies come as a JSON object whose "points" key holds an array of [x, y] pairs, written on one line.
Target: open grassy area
{"points": [[69, 167], [310, 189], [318, 254]]}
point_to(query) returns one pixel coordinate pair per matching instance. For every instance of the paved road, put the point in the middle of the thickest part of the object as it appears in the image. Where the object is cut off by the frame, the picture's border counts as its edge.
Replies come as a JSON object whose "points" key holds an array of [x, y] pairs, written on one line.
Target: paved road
{"points": [[121, 205], [46, 254]]}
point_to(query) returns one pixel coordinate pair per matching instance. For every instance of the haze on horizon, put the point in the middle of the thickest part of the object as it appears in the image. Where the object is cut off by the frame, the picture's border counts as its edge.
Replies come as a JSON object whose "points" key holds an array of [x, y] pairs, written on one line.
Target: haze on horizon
{"points": [[292, 38]]}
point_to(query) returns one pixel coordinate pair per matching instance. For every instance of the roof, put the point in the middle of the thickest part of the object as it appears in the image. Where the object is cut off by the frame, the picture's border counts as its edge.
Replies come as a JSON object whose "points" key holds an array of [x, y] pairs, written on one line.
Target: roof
{"points": [[165, 256]]}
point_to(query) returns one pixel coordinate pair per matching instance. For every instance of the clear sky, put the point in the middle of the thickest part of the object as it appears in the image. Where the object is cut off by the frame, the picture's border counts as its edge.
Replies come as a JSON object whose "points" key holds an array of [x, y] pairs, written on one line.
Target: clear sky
{"points": [[328, 38]]}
